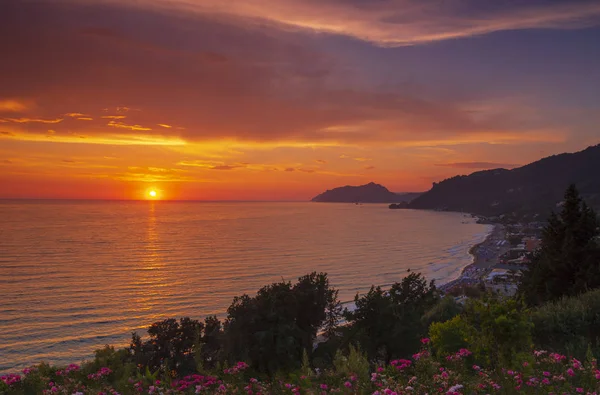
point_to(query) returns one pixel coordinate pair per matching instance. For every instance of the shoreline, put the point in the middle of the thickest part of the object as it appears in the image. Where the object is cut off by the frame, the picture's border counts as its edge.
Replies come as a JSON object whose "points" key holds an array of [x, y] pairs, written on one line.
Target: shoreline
{"points": [[484, 256]]}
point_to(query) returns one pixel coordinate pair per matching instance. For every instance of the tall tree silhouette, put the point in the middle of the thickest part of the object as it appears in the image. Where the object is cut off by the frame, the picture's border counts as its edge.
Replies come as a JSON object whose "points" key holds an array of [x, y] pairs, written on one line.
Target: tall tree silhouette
{"points": [[568, 262]]}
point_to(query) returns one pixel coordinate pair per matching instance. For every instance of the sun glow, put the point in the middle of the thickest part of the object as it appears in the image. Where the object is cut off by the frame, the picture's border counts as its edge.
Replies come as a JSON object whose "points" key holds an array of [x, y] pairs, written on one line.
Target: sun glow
{"points": [[152, 194]]}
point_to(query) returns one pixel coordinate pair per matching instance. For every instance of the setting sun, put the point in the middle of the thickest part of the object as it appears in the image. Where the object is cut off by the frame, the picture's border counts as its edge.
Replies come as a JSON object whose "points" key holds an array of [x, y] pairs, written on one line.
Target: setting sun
{"points": [[152, 193]]}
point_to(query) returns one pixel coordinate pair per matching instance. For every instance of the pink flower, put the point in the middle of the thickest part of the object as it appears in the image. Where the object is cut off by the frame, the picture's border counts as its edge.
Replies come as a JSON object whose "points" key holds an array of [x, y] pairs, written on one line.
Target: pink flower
{"points": [[425, 340], [580, 390], [570, 372], [323, 386], [348, 384], [525, 364], [547, 374]]}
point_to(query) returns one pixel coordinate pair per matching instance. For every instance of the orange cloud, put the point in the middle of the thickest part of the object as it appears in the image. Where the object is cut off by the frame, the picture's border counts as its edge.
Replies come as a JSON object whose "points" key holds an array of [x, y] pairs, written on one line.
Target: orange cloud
{"points": [[51, 136], [122, 125], [13, 106], [33, 120], [114, 116], [164, 125]]}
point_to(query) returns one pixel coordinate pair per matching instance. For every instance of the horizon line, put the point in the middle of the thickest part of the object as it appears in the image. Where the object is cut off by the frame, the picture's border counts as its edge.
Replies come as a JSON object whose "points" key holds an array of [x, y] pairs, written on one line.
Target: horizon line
{"points": [[149, 200]]}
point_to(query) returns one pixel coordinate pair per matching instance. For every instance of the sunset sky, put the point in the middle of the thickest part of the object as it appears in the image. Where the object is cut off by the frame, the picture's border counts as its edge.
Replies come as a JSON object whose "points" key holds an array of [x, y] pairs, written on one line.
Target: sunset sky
{"points": [[281, 99]]}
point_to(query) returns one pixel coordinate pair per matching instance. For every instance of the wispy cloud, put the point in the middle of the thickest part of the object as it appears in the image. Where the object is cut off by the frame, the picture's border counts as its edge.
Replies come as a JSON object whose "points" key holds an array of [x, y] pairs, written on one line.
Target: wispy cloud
{"points": [[33, 120], [226, 167], [52, 136], [122, 125], [212, 165], [114, 116], [401, 22], [164, 125], [14, 106]]}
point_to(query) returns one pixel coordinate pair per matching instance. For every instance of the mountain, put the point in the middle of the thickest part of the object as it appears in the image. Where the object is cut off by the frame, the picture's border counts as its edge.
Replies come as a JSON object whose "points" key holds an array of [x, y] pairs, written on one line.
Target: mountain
{"points": [[535, 188], [369, 193]]}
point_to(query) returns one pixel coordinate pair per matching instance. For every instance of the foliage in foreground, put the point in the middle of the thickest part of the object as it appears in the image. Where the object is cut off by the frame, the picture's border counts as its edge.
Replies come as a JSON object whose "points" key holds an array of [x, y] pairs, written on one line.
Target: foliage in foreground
{"points": [[570, 325], [424, 373]]}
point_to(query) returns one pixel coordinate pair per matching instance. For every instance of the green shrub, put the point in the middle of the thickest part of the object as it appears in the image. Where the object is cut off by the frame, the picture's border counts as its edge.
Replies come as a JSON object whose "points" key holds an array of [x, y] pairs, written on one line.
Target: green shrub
{"points": [[450, 336], [569, 325]]}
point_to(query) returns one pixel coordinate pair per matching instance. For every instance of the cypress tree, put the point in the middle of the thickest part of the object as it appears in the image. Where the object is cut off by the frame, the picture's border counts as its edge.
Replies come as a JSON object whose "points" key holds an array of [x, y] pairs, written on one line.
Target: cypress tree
{"points": [[568, 261]]}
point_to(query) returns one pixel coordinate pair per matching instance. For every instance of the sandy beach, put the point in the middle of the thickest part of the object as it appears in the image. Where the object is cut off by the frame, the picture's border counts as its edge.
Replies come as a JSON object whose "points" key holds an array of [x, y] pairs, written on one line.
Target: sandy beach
{"points": [[485, 256]]}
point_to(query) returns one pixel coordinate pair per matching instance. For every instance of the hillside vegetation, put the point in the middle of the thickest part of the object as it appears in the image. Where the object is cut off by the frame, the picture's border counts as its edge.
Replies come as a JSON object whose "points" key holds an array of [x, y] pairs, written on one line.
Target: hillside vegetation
{"points": [[536, 188]]}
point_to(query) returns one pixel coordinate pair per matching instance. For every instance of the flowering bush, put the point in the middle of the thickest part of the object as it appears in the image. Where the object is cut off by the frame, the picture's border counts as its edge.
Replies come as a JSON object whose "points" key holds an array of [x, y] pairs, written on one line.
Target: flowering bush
{"points": [[455, 374]]}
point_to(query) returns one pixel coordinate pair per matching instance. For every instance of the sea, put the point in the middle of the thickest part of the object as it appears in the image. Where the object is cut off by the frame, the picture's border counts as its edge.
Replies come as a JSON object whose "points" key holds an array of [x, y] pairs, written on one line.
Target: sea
{"points": [[77, 275]]}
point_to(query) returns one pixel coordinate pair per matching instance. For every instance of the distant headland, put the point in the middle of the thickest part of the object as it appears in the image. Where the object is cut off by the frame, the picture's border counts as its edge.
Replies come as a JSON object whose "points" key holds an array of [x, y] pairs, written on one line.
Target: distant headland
{"points": [[368, 193]]}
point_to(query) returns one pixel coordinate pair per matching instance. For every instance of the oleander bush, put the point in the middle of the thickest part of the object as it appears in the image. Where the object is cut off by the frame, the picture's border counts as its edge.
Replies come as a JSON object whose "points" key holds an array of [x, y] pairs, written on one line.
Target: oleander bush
{"points": [[423, 373]]}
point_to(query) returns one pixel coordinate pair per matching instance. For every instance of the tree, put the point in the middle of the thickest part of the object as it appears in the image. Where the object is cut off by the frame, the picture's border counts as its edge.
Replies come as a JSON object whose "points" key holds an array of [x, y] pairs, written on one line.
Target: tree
{"points": [[318, 306], [334, 313], [445, 309], [271, 330], [568, 262], [211, 342], [387, 324], [170, 346]]}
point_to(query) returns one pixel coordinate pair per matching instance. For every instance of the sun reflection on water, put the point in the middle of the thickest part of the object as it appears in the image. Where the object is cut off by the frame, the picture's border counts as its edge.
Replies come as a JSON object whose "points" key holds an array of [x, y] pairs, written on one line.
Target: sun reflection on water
{"points": [[150, 280]]}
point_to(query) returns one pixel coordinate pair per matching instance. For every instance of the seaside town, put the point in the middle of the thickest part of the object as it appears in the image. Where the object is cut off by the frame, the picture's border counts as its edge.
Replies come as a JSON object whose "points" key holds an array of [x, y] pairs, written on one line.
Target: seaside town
{"points": [[498, 261]]}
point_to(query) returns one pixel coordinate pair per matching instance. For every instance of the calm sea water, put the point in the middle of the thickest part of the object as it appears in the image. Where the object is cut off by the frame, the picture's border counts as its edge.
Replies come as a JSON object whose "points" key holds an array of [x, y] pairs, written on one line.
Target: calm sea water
{"points": [[77, 275]]}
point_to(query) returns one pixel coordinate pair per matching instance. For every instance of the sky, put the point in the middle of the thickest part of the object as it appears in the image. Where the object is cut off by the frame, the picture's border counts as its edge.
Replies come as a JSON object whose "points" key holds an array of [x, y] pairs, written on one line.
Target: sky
{"points": [[282, 99]]}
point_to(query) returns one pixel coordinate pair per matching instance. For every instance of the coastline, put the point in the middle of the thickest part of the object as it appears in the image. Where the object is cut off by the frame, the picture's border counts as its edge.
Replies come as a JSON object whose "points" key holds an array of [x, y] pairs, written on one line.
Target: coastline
{"points": [[484, 256]]}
